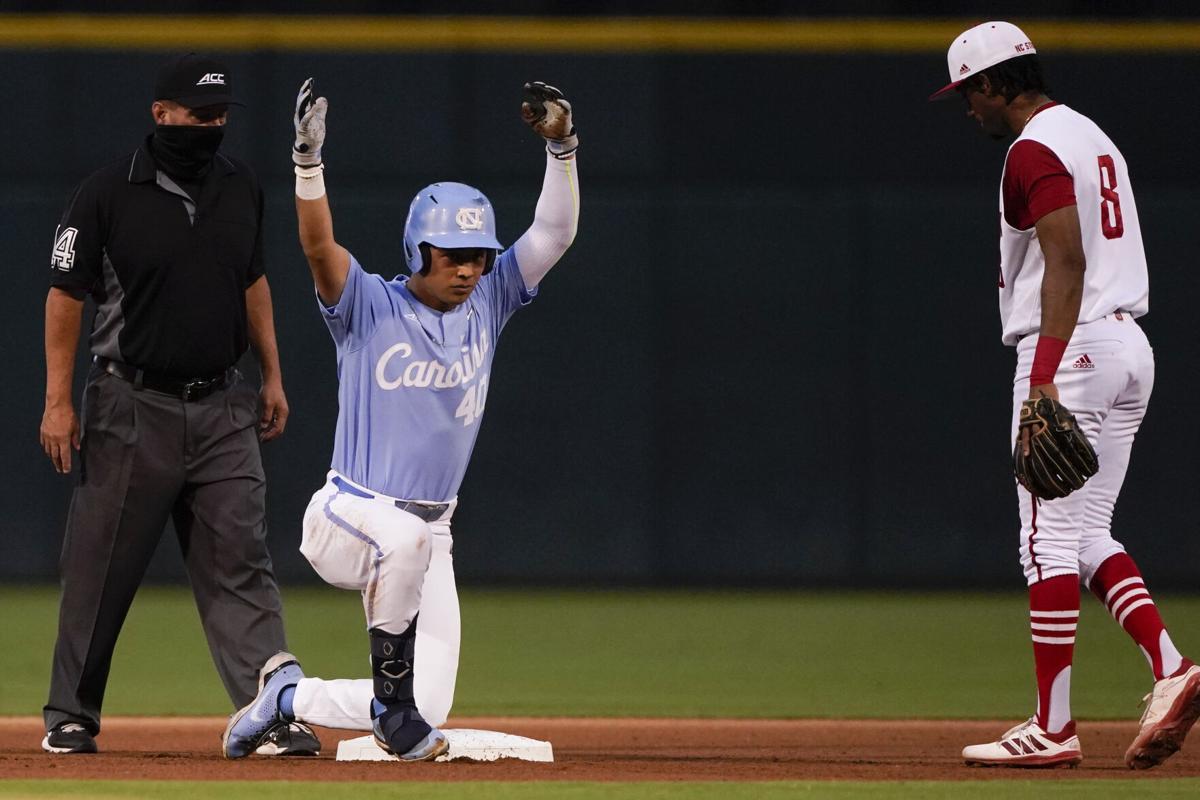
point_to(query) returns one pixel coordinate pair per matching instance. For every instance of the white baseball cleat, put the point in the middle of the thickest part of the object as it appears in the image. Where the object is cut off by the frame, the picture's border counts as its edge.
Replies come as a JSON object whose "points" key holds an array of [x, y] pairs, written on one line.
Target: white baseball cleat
{"points": [[1171, 710], [1025, 745], [249, 724]]}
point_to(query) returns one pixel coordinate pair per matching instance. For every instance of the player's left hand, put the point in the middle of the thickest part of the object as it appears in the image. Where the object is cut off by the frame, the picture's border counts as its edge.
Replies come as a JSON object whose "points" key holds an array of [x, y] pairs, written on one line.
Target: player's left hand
{"points": [[1052, 457], [1044, 390], [546, 110], [274, 416]]}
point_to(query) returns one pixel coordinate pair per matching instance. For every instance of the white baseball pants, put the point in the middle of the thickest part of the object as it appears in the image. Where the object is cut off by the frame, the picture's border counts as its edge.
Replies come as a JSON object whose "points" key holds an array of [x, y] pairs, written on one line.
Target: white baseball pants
{"points": [[1105, 380], [402, 565]]}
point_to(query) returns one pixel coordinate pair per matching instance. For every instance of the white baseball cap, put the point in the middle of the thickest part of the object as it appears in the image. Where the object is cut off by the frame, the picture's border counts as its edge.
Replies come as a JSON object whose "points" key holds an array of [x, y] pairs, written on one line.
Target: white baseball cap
{"points": [[983, 46]]}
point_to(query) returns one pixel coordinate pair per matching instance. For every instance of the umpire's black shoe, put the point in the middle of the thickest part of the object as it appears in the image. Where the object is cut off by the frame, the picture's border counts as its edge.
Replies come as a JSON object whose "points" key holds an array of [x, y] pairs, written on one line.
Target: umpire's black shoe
{"points": [[289, 739], [70, 737]]}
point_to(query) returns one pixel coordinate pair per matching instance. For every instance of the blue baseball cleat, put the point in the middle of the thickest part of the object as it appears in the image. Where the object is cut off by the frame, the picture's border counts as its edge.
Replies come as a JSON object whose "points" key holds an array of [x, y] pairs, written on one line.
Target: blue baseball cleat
{"points": [[400, 730], [248, 725]]}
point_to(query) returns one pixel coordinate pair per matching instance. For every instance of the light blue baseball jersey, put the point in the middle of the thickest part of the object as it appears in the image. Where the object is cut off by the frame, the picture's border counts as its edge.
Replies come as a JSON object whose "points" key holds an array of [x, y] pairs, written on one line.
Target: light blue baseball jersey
{"points": [[413, 381]]}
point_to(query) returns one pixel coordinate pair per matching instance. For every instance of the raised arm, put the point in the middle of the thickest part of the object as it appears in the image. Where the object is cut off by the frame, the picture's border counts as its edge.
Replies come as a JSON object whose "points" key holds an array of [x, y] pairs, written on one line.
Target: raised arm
{"points": [[328, 260], [557, 215]]}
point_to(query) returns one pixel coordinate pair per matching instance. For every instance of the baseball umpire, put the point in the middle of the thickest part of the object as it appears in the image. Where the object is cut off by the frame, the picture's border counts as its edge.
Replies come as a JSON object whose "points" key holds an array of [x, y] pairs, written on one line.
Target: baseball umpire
{"points": [[1073, 281], [414, 356], [167, 242]]}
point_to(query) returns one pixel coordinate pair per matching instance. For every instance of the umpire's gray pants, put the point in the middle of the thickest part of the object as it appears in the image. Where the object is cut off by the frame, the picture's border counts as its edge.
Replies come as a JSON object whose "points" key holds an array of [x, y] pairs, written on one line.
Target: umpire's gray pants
{"points": [[146, 457]]}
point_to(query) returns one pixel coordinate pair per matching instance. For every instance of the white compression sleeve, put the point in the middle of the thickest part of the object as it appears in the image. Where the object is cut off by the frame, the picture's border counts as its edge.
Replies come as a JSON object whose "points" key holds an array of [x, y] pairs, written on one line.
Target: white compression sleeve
{"points": [[554, 222]]}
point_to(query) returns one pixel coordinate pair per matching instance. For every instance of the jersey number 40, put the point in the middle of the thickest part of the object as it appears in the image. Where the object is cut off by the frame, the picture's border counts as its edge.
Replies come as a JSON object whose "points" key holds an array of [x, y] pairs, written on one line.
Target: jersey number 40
{"points": [[474, 399]]}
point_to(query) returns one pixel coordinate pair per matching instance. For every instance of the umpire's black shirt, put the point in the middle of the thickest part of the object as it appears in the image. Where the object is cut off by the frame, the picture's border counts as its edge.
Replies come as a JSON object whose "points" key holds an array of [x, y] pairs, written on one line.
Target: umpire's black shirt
{"points": [[168, 273]]}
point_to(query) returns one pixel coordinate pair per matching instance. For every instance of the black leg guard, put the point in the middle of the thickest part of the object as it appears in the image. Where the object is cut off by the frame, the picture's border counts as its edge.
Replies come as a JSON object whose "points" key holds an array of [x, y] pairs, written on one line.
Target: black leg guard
{"points": [[397, 724], [392, 664]]}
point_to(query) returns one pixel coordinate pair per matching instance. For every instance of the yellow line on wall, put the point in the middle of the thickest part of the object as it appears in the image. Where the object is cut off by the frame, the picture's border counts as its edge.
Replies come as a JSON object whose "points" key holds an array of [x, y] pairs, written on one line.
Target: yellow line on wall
{"points": [[561, 34]]}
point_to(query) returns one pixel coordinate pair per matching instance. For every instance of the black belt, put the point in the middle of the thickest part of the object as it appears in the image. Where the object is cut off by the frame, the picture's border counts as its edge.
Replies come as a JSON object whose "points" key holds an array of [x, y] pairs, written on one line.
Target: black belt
{"points": [[429, 512], [186, 389]]}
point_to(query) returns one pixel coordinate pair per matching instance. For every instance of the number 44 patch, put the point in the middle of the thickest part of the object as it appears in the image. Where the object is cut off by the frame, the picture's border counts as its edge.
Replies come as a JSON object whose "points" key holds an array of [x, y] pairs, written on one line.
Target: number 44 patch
{"points": [[63, 257]]}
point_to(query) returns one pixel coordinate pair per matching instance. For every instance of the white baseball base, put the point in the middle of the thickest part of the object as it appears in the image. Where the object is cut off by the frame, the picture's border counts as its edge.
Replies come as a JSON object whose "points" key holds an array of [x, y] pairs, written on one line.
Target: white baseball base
{"points": [[464, 743]]}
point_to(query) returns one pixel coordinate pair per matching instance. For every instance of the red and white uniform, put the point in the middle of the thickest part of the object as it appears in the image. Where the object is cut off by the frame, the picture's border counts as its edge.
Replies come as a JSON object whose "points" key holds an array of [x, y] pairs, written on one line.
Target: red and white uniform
{"points": [[1105, 377], [1062, 158]]}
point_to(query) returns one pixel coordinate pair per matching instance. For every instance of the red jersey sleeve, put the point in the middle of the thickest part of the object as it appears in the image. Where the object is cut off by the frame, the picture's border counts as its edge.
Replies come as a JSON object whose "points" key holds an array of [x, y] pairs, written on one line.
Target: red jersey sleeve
{"points": [[1035, 183]]}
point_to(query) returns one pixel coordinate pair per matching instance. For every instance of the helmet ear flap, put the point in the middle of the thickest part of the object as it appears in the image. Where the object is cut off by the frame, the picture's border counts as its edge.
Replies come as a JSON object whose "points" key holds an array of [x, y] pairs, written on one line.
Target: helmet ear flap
{"points": [[412, 254], [426, 258], [489, 261]]}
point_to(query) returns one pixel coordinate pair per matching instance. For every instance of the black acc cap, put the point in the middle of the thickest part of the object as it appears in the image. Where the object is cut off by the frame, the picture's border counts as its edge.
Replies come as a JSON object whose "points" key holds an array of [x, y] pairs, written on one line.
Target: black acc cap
{"points": [[194, 81]]}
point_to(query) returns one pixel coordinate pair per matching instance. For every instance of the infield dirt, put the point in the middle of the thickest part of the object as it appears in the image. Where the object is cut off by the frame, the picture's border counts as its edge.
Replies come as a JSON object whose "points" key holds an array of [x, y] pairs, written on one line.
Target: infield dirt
{"points": [[188, 748]]}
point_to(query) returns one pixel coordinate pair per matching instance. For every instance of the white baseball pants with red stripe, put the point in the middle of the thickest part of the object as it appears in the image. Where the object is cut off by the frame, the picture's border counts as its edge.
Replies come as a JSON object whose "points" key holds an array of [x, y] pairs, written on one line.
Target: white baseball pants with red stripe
{"points": [[1105, 380]]}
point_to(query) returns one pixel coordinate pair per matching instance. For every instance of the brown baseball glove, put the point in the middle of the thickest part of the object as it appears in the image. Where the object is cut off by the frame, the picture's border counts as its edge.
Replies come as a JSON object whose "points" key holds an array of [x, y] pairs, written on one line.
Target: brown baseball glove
{"points": [[1060, 459]]}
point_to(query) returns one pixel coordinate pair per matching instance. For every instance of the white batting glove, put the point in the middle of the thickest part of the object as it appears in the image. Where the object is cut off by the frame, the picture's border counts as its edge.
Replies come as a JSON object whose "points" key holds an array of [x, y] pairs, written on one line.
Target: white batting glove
{"points": [[309, 120], [547, 111]]}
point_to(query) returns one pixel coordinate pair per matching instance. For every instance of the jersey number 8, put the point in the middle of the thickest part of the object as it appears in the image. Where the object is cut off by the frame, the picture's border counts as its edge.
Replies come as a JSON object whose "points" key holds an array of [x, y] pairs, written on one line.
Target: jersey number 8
{"points": [[1110, 203]]}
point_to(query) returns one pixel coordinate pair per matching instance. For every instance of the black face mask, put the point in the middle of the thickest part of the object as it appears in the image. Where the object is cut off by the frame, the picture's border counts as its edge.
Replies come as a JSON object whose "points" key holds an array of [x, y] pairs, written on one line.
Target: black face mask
{"points": [[186, 151]]}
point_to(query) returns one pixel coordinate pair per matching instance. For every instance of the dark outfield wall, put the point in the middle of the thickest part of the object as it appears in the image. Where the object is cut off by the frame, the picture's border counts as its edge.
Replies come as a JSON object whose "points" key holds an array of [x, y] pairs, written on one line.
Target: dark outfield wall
{"points": [[772, 355]]}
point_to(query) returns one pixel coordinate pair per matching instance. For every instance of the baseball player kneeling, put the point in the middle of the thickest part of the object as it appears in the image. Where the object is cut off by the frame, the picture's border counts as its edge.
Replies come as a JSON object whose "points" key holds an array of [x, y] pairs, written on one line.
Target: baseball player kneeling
{"points": [[414, 357]]}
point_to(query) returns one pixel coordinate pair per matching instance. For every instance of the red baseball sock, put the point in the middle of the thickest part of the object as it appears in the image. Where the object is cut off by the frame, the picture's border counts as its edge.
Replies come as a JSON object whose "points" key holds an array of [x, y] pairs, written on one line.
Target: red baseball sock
{"points": [[1119, 585], [1053, 617]]}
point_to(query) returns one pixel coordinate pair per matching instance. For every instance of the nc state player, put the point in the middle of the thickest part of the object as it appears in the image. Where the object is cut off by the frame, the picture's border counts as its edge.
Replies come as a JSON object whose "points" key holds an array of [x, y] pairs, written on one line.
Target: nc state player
{"points": [[1073, 280]]}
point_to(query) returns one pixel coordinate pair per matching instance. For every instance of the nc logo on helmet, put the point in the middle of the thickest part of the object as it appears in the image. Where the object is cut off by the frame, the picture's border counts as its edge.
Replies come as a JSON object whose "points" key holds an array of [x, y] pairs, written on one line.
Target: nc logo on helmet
{"points": [[469, 219]]}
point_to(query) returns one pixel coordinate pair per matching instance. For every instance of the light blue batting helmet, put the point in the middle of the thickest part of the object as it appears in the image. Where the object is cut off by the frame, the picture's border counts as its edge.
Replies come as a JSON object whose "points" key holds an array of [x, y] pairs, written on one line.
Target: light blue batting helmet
{"points": [[448, 215]]}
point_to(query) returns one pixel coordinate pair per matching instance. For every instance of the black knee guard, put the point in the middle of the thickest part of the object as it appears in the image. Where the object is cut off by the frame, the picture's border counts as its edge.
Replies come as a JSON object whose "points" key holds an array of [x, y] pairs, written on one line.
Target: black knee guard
{"points": [[392, 664]]}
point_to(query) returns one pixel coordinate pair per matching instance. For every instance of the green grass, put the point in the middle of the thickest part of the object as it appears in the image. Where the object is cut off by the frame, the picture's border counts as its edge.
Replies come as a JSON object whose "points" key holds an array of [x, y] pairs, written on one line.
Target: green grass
{"points": [[634, 653], [284, 790], [762, 654]]}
